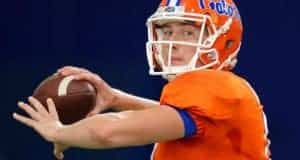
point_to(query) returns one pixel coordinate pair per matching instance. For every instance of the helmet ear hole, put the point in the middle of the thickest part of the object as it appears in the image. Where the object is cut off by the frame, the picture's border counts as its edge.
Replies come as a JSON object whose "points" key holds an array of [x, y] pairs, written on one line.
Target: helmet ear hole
{"points": [[228, 44]]}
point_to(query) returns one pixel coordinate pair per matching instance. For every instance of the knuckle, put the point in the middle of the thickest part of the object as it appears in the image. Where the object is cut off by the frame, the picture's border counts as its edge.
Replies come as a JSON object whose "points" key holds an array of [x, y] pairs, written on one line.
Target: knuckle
{"points": [[96, 76]]}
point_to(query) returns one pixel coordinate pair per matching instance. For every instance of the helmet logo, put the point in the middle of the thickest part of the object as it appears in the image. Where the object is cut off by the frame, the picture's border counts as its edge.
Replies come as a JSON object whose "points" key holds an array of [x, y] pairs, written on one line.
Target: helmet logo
{"points": [[170, 9], [222, 7]]}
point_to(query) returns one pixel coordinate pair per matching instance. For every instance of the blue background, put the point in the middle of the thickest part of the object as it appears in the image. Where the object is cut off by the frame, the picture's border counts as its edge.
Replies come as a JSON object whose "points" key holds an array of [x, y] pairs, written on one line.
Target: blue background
{"points": [[108, 37]]}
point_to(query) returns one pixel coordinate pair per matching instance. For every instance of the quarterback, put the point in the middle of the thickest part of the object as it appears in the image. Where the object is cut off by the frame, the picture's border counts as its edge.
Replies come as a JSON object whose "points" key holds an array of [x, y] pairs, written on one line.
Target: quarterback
{"points": [[205, 112]]}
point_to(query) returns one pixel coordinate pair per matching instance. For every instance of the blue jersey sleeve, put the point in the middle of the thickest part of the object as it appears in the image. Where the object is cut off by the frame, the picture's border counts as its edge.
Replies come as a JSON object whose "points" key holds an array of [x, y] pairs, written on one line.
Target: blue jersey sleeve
{"points": [[189, 125]]}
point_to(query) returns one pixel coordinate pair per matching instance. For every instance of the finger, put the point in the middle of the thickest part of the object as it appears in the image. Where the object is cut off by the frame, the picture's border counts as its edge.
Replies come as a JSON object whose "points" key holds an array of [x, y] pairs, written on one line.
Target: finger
{"points": [[58, 151], [38, 106], [57, 159], [66, 68], [29, 110], [62, 68], [58, 155], [69, 70], [60, 147], [93, 78], [27, 121], [52, 108]]}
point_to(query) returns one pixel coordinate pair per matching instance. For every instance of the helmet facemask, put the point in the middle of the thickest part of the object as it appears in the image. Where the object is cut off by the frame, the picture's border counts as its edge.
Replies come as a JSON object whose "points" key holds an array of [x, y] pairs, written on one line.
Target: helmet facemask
{"points": [[160, 51]]}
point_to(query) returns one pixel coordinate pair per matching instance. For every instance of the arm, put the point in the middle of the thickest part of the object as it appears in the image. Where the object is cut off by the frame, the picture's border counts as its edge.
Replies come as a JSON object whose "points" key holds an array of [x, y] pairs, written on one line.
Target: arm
{"points": [[128, 128], [125, 101]]}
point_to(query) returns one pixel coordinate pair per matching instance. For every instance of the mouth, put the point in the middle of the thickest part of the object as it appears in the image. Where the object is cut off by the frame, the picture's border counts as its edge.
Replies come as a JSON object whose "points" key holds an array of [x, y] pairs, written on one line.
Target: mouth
{"points": [[176, 61]]}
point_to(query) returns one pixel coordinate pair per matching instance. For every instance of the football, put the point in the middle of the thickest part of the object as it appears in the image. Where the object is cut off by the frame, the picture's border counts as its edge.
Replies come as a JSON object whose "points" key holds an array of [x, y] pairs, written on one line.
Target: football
{"points": [[73, 99]]}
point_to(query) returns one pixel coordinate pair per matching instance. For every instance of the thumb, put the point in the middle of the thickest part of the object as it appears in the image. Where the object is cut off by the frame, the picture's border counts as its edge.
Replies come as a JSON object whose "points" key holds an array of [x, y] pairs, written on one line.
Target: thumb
{"points": [[58, 151], [58, 155], [93, 112]]}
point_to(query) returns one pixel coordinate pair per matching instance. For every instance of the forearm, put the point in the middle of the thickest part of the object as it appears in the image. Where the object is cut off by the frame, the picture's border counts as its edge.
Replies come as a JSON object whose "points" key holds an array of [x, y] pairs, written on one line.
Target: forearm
{"points": [[88, 133], [121, 129], [125, 101]]}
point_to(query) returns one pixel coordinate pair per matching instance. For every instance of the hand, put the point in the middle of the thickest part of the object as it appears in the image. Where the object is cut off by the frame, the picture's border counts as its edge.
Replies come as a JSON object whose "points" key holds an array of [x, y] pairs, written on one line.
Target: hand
{"points": [[105, 94], [46, 123], [58, 150]]}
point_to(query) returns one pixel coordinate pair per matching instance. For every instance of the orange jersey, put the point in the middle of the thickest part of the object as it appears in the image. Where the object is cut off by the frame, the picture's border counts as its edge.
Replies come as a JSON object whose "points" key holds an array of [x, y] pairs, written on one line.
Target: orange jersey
{"points": [[228, 115]]}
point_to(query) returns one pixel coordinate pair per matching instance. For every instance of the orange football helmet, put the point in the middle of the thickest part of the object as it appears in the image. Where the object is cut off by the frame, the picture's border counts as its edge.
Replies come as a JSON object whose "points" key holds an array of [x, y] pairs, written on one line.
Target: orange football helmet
{"points": [[218, 50]]}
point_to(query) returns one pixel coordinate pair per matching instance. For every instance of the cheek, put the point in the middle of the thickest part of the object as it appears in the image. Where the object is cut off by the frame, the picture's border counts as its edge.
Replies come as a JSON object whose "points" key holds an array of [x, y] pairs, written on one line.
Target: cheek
{"points": [[189, 52], [165, 50], [164, 53]]}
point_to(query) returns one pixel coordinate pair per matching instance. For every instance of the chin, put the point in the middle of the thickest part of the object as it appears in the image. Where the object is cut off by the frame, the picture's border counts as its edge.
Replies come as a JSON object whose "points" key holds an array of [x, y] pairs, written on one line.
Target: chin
{"points": [[178, 64]]}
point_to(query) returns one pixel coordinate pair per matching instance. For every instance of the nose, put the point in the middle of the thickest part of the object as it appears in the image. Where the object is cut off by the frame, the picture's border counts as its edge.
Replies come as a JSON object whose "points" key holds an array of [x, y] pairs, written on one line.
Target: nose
{"points": [[174, 47], [175, 37]]}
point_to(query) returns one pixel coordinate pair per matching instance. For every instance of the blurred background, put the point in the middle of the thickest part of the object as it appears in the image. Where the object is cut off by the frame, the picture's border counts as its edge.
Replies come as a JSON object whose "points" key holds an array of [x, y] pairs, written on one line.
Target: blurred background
{"points": [[108, 37]]}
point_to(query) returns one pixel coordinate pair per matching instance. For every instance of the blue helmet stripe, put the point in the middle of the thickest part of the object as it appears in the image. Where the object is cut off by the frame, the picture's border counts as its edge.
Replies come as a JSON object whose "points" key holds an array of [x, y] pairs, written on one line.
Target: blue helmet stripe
{"points": [[173, 3], [202, 4], [168, 3]]}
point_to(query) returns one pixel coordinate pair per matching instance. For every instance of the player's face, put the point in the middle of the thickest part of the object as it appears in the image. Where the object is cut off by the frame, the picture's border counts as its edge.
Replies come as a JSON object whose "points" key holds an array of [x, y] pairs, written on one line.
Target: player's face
{"points": [[183, 32]]}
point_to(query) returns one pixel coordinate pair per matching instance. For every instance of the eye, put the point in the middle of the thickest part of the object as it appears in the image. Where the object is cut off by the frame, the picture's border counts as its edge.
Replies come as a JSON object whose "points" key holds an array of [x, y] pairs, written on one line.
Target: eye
{"points": [[167, 33], [188, 33]]}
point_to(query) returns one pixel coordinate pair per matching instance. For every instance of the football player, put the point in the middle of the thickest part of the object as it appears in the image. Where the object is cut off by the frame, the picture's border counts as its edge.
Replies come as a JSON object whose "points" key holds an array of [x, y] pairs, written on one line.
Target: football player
{"points": [[205, 111]]}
